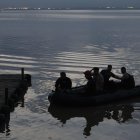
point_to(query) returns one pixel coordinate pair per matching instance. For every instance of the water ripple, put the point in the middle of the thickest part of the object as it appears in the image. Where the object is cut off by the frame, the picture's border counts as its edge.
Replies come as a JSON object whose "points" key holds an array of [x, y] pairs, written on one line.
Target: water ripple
{"points": [[77, 62], [10, 64]]}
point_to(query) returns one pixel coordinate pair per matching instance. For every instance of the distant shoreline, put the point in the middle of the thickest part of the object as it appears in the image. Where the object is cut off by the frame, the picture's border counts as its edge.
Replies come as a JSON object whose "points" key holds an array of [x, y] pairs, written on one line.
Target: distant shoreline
{"points": [[106, 8]]}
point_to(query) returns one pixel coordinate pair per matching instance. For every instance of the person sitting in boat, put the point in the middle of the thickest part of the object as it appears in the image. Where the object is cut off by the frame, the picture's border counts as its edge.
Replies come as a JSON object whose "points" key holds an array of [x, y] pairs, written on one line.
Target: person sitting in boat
{"points": [[99, 80], [127, 80], [63, 82], [107, 74], [90, 86]]}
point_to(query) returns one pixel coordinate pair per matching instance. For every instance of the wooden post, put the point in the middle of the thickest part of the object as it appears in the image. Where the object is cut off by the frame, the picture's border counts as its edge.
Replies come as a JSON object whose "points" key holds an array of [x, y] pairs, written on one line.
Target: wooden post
{"points": [[6, 96], [22, 73]]}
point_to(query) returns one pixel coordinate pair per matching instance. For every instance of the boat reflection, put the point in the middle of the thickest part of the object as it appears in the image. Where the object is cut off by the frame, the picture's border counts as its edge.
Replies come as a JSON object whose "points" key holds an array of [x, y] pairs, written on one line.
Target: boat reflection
{"points": [[93, 115]]}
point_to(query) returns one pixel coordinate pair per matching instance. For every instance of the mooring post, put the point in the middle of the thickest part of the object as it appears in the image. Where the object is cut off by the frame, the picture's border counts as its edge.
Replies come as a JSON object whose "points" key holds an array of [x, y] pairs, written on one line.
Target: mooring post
{"points": [[22, 73], [6, 96]]}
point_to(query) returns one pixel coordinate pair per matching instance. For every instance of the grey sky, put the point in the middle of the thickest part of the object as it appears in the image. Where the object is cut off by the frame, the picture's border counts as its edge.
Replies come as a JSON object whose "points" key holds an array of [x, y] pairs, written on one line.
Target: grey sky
{"points": [[68, 3]]}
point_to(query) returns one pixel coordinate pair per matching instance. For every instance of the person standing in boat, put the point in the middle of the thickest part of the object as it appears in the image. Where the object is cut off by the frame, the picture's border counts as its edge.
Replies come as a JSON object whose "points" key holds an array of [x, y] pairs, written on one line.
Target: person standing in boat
{"points": [[90, 86], [99, 80], [127, 80], [107, 74], [63, 82]]}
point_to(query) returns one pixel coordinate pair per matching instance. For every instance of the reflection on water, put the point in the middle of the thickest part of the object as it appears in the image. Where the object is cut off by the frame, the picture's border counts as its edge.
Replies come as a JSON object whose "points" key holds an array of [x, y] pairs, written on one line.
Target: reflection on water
{"points": [[17, 99], [93, 115], [76, 63], [47, 42], [12, 63], [4, 124]]}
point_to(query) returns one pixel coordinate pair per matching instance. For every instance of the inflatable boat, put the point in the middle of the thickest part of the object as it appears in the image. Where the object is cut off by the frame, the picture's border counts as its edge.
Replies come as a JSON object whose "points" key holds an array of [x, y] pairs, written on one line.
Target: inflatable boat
{"points": [[78, 97]]}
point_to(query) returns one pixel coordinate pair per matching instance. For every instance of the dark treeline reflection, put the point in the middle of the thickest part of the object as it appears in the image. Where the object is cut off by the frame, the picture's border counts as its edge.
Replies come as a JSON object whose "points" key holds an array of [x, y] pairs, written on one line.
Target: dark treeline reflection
{"points": [[93, 115]]}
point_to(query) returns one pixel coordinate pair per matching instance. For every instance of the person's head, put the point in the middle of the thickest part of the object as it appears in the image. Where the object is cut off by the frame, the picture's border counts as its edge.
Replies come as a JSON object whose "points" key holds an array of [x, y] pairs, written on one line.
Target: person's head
{"points": [[109, 67], [62, 74], [88, 74], [123, 70], [96, 70]]}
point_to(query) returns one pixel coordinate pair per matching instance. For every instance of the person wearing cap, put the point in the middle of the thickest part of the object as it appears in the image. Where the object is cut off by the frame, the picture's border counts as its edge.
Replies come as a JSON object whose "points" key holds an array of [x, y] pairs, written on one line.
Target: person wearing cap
{"points": [[107, 74], [90, 86], [63, 82], [99, 80]]}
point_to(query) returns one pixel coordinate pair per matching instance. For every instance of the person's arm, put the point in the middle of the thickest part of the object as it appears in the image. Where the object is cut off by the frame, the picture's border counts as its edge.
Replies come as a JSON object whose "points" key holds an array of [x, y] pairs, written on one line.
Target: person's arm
{"points": [[116, 76]]}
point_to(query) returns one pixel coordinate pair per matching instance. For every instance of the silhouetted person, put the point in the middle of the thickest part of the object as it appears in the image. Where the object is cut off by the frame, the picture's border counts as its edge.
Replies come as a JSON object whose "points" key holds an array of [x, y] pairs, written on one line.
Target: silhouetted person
{"points": [[107, 74], [99, 80], [63, 82], [90, 86], [127, 80]]}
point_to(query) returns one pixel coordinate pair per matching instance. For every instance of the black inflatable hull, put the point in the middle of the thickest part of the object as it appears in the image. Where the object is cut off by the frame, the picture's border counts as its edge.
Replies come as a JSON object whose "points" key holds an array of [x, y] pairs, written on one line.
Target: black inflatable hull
{"points": [[81, 99]]}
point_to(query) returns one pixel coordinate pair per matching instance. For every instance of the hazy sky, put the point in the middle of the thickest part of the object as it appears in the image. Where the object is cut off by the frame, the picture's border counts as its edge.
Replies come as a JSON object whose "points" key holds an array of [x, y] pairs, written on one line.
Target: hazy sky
{"points": [[68, 3]]}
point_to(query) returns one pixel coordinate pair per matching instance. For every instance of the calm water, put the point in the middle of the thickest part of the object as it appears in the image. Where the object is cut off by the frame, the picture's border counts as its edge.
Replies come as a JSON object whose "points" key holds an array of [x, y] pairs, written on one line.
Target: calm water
{"points": [[47, 42]]}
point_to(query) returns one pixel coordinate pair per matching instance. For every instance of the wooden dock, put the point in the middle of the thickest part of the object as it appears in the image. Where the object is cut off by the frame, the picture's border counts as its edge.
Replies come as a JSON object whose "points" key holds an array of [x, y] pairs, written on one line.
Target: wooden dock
{"points": [[12, 90]]}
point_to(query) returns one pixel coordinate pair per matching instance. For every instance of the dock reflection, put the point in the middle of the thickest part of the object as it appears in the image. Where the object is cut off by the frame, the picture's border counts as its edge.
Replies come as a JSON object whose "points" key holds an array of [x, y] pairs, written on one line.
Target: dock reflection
{"points": [[93, 115], [4, 124], [5, 117]]}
